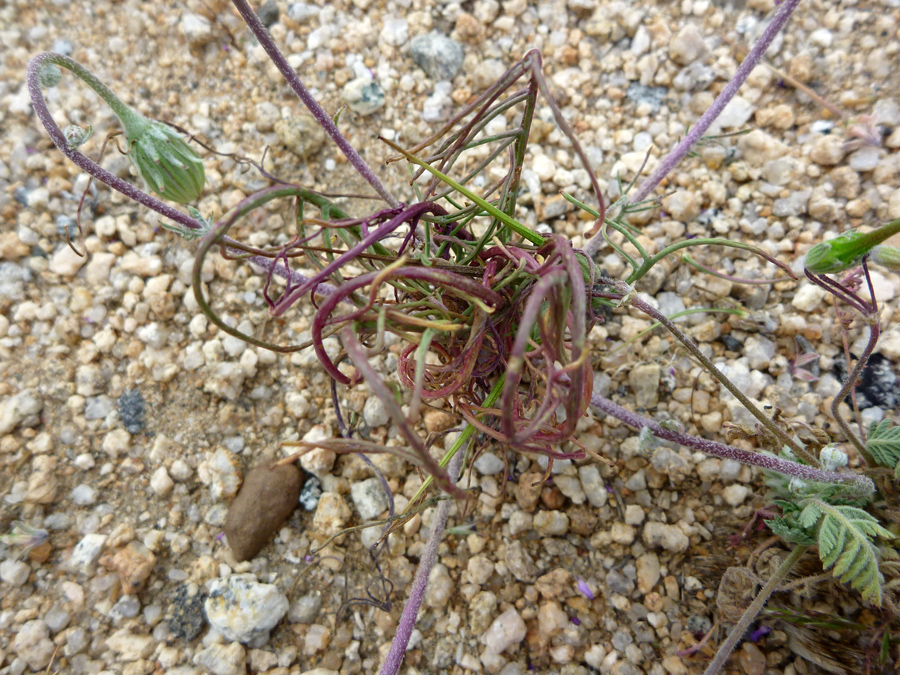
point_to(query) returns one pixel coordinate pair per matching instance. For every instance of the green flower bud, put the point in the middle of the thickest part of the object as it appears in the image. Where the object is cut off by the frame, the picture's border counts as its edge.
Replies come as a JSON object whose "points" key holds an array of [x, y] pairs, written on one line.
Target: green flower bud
{"points": [[49, 75], [838, 254], [887, 256], [76, 136], [168, 165]]}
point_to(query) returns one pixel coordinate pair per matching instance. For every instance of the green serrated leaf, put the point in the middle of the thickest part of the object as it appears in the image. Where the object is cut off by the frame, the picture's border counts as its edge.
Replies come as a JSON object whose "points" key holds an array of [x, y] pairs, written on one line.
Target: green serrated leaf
{"points": [[809, 516], [845, 542], [790, 533], [884, 443]]}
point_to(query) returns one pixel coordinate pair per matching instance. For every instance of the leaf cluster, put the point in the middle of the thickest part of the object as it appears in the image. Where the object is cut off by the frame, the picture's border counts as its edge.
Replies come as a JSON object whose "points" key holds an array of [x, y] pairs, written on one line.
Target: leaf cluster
{"points": [[845, 536]]}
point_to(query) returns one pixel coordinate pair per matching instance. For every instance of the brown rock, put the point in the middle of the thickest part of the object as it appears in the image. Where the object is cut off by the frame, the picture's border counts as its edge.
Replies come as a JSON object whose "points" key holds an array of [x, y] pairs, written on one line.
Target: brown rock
{"points": [[134, 563], [527, 494], [439, 420], [268, 496], [552, 498]]}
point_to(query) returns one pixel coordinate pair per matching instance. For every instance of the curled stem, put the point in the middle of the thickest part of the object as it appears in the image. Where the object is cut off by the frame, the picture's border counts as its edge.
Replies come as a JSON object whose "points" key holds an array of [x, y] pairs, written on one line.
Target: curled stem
{"points": [[81, 160]]}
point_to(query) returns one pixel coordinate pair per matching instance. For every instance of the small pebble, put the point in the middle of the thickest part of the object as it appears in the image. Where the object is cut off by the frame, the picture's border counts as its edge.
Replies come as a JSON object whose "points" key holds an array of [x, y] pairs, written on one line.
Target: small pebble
{"points": [[363, 96], [436, 54], [668, 537], [84, 495], [507, 630], [369, 498], [244, 610], [14, 572]]}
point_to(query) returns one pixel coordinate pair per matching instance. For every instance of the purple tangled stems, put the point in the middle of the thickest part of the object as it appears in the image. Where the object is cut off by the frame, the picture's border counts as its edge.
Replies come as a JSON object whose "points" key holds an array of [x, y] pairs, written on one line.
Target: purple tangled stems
{"points": [[561, 287], [409, 215], [455, 284], [665, 167]]}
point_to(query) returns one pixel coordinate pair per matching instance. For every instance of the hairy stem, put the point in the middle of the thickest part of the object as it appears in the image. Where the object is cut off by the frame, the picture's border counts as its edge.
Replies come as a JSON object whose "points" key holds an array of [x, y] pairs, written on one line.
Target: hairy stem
{"points": [[850, 382], [407, 622], [862, 485], [265, 40], [782, 14], [753, 610], [724, 381]]}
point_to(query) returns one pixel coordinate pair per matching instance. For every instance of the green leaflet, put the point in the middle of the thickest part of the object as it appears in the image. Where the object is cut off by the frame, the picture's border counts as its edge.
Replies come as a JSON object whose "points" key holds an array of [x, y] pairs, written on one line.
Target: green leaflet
{"points": [[884, 444], [845, 541]]}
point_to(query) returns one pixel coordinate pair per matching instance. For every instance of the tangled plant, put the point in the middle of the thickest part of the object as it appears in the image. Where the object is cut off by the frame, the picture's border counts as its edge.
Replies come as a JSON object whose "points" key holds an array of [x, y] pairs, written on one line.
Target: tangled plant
{"points": [[493, 316]]}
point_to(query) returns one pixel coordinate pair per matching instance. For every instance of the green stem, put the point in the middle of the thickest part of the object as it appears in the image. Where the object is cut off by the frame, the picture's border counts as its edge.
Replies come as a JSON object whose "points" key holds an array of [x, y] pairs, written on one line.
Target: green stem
{"points": [[716, 241], [125, 114], [517, 227], [753, 610], [464, 437]]}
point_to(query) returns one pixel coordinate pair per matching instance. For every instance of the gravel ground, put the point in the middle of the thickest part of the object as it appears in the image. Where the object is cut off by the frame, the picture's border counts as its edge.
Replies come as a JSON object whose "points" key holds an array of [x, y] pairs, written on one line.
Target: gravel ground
{"points": [[127, 422]]}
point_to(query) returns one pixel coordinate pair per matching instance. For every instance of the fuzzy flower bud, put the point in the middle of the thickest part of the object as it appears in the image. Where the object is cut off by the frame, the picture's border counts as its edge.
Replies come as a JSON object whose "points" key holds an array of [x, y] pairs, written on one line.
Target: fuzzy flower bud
{"points": [[76, 136], [832, 458], [838, 254], [168, 165], [797, 485]]}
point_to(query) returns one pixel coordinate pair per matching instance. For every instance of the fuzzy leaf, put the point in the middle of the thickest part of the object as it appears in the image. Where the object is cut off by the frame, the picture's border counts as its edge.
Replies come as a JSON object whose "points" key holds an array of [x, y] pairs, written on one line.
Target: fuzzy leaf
{"points": [[884, 443], [845, 542], [809, 516], [791, 533]]}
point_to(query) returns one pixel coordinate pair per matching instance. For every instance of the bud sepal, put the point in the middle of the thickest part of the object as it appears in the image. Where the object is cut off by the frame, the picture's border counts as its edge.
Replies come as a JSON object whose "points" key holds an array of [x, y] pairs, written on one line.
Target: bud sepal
{"points": [[167, 164]]}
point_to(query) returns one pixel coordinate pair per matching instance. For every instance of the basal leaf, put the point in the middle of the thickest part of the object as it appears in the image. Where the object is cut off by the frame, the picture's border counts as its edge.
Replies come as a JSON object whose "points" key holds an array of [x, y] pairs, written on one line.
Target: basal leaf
{"points": [[845, 542], [884, 443]]}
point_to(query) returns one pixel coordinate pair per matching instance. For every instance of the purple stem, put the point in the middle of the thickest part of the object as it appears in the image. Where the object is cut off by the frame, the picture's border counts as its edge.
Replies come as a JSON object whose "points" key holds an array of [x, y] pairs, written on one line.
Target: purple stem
{"points": [[767, 462], [782, 14], [295, 278], [407, 622], [411, 213], [82, 161], [265, 40]]}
